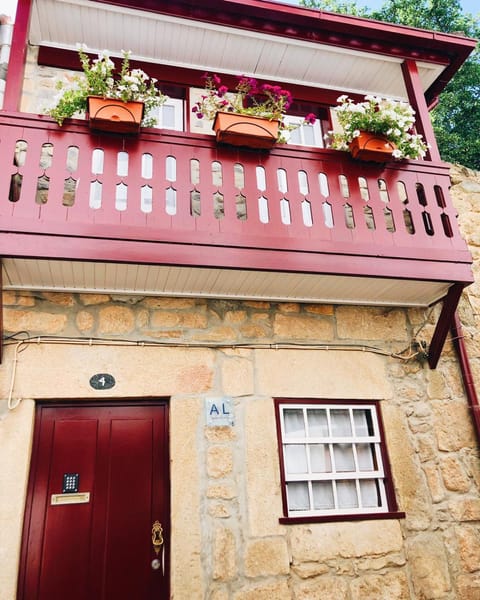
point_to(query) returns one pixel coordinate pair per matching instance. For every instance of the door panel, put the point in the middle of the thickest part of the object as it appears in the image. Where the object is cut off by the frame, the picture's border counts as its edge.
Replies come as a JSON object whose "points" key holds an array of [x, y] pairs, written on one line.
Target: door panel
{"points": [[100, 549]]}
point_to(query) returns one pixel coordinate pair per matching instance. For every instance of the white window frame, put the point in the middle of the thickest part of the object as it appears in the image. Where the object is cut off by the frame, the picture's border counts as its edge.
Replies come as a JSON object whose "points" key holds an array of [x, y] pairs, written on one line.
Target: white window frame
{"points": [[178, 106], [309, 477], [315, 129]]}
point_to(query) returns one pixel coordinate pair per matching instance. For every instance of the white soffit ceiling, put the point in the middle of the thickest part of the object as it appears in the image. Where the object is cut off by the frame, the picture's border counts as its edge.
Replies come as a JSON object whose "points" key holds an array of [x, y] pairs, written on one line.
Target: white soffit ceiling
{"points": [[163, 280], [180, 42]]}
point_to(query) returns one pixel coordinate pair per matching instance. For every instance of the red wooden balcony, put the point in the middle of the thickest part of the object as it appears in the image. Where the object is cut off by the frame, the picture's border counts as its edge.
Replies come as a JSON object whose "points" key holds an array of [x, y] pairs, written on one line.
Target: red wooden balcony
{"points": [[173, 213]]}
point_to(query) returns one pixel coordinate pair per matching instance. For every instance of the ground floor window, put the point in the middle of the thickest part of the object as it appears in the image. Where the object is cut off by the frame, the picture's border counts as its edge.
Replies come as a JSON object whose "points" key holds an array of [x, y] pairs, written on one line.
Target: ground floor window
{"points": [[333, 459]]}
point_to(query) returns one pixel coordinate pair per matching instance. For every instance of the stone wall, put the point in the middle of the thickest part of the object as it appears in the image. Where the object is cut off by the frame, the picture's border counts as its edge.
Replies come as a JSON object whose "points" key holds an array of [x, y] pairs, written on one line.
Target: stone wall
{"points": [[465, 192], [227, 542], [39, 86]]}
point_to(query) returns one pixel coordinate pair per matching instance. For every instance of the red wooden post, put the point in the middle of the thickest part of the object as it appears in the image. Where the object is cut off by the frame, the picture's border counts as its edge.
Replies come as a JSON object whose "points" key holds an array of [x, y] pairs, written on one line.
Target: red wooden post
{"points": [[417, 100], [1, 312], [18, 54]]}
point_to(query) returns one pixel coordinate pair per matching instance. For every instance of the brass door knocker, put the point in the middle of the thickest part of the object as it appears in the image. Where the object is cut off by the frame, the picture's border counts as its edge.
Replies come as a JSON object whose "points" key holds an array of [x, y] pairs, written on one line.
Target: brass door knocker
{"points": [[157, 537]]}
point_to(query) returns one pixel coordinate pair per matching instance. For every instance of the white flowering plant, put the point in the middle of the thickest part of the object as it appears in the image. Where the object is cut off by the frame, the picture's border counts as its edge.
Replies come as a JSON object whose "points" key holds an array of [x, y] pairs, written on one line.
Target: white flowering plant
{"points": [[391, 118], [99, 79], [249, 98]]}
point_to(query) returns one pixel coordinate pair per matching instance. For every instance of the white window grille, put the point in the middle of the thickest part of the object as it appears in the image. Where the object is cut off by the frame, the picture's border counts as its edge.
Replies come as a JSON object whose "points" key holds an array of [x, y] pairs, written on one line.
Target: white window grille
{"points": [[332, 459], [305, 135]]}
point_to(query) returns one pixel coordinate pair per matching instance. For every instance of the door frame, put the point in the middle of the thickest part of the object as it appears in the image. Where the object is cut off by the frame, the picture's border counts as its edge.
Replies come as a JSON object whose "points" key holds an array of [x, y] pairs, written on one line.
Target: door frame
{"points": [[34, 458]]}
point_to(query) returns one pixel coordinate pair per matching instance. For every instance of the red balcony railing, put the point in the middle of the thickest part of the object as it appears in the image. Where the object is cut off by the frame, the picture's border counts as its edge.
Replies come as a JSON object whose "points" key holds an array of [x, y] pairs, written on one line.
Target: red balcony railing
{"points": [[178, 198]]}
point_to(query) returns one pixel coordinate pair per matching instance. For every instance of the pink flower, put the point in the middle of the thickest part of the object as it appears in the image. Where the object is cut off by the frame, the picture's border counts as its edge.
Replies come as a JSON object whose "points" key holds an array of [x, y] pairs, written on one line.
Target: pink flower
{"points": [[311, 118]]}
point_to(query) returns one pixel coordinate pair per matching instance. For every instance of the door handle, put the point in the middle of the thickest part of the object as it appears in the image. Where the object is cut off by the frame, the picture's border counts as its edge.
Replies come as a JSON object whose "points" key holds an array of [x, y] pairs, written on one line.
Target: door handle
{"points": [[157, 536], [157, 543]]}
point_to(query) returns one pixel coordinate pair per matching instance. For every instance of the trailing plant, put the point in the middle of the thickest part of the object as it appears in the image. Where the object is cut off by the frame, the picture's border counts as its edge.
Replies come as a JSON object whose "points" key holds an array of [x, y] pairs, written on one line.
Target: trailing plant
{"points": [[391, 118], [99, 79]]}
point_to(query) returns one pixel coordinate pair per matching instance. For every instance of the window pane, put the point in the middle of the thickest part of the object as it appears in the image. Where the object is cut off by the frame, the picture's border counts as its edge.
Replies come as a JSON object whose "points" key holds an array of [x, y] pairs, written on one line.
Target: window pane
{"points": [[363, 422], [297, 494], [317, 422], [295, 137], [168, 116], [296, 458], [343, 455], [341, 426], [370, 493], [322, 495], [320, 458], [294, 424], [347, 494], [366, 457], [309, 135]]}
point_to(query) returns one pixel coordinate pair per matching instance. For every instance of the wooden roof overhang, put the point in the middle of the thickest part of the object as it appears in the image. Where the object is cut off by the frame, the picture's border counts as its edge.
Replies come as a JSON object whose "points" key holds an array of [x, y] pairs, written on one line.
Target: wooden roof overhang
{"points": [[323, 27], [269, 40]]}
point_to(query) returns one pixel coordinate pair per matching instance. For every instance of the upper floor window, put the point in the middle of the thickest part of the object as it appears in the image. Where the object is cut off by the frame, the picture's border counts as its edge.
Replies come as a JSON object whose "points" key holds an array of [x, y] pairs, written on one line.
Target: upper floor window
{"points": [[333, 460], [171, 114], [305, 135]]}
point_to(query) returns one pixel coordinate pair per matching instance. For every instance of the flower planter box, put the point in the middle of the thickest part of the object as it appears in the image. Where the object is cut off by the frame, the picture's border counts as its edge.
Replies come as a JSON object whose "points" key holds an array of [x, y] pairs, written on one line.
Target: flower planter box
{"points": [[245, 130], [108, 114], [371, 147]]}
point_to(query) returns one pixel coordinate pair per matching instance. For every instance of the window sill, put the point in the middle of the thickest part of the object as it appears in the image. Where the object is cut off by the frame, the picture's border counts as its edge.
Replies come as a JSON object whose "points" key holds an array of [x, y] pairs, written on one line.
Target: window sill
{"points": [[337, 518]]}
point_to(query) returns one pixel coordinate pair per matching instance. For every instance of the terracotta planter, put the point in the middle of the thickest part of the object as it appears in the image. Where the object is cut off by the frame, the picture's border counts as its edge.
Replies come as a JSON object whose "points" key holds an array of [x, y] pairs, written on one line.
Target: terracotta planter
{"points": [[372, 147], [107, 114], [245, 130]]}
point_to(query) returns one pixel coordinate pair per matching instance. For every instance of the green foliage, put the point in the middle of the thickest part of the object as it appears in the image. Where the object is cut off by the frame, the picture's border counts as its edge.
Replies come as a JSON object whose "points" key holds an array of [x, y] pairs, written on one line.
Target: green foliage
{"points": [[456, 119], [381, 116], [347, 7], [99, 79]]}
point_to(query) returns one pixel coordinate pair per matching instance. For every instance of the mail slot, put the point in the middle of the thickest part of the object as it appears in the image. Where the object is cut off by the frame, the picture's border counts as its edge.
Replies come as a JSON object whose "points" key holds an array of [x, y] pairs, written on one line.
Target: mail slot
{"points": [[75, 498]]}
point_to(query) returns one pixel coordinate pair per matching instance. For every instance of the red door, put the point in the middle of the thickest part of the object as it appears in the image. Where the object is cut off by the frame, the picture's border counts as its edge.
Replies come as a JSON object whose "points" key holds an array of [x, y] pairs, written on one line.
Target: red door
{"points": [[98, 498]]}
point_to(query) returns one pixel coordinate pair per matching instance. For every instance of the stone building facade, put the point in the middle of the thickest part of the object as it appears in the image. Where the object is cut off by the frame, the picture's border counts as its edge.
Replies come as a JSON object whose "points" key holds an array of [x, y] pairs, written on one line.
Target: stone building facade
{"points": [[227, 542]]}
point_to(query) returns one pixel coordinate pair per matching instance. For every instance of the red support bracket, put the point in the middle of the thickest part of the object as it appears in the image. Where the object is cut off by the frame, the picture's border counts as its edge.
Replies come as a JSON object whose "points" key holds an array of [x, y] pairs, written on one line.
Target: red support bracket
{"points": [[444, 323], [417, 100]]}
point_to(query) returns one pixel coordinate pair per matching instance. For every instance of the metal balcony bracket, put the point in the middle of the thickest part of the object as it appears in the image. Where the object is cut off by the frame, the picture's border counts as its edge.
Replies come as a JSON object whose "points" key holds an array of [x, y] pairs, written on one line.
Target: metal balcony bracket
{"points": [[444, 324]]}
